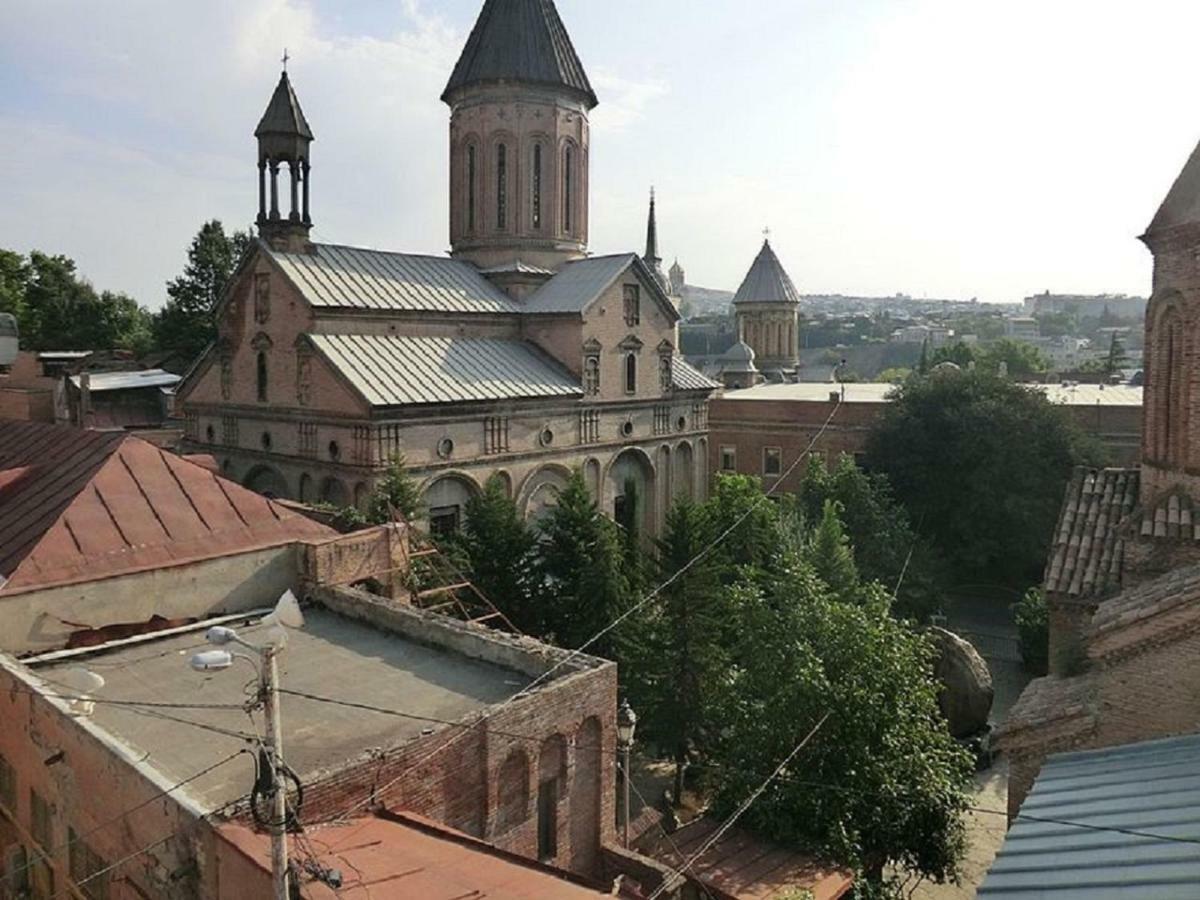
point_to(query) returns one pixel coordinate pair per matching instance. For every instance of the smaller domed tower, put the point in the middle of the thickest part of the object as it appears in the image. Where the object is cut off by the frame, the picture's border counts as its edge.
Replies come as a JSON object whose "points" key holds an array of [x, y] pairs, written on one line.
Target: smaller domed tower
{"points": [[678, 279], [767, 307], [284, 138]]}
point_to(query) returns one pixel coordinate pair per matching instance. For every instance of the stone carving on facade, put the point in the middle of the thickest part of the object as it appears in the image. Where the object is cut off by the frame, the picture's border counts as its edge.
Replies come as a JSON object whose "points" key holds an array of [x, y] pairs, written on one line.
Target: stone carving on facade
{"points": [[262, 298]]}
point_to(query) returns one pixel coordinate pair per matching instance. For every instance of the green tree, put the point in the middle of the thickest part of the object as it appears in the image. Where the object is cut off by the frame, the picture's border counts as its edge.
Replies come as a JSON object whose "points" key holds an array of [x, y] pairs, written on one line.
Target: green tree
{"points": [[958, 353], [881, 783], [1033, 628], [887, 548], [583, 586], [1117, 358], [831, 555], [923, 363], [186, 322], [498, 548], [1021, 360], [678, 658], [981, 464], [396, 492], [747, 523], [14, 276]]}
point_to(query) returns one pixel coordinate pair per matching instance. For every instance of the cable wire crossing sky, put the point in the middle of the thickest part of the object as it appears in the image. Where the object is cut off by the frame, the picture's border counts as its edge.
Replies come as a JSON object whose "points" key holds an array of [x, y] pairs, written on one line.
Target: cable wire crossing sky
{"points": [[933, 148]]}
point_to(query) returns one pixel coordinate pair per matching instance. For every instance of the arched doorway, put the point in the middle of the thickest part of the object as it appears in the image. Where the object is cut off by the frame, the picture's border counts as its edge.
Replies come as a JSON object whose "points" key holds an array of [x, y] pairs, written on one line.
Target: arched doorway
{"points": [[591, 475], [267, 481], [629, 492], [445, 500]]}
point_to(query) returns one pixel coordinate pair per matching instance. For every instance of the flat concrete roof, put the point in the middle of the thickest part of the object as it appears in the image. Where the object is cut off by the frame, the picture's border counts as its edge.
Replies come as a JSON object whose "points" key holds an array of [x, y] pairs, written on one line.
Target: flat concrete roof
{"points": [[332, 656], [877, 392]]}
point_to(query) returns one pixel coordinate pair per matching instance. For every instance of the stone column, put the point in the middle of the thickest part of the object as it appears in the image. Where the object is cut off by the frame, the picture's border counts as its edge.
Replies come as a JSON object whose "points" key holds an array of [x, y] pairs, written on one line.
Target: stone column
{"points": [[305, 169], [262, 190], [274, 190], [294, 173]]}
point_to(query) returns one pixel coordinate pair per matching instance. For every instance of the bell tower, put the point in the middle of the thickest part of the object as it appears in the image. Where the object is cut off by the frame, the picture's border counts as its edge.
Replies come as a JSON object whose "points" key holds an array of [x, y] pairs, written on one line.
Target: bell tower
{"points": [[519, 141], [284, 139]]}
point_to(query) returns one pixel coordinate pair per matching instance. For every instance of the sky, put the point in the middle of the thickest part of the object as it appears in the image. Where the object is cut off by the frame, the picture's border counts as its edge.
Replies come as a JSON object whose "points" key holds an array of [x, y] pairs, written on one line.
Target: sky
{"points": [[938, 148]]}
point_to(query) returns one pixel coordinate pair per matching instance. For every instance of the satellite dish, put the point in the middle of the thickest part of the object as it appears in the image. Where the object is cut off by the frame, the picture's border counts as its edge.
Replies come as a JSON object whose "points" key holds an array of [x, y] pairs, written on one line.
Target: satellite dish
{"points": [[81, 684], [286, 612]]}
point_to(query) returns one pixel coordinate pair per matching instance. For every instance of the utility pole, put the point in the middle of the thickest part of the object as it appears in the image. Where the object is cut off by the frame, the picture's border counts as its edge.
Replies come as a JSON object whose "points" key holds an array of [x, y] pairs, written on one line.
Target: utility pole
{"points": [[274, 748]]}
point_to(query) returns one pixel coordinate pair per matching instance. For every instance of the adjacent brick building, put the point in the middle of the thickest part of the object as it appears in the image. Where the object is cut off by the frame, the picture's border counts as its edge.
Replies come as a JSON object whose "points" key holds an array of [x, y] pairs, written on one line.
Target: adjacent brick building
{"points": [[1123, 578], [761, 430]]}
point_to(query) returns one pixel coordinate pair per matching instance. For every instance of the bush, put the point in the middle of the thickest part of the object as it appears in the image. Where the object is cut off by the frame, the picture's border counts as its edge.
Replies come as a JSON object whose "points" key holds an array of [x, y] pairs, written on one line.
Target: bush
{"points": [[1033, 625]]}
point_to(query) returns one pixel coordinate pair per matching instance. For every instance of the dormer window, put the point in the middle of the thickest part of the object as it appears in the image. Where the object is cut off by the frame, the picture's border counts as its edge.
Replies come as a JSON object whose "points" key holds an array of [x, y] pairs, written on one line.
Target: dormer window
{"points": [[633, 304]]}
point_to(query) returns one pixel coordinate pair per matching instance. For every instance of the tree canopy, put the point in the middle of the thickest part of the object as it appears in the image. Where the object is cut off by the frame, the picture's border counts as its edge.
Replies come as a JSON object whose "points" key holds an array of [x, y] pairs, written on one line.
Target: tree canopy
{"points": [[980, 464], [186, 322]]}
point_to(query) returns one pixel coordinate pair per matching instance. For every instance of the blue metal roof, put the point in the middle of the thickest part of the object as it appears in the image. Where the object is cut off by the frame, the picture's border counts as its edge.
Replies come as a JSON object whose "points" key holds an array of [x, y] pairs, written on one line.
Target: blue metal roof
{"points": [[1123, 822]]}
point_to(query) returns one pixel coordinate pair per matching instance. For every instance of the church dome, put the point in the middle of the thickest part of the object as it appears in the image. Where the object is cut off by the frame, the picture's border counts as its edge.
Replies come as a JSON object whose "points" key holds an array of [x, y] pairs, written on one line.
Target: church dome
{"points": [[767, 281], [738, 358]]}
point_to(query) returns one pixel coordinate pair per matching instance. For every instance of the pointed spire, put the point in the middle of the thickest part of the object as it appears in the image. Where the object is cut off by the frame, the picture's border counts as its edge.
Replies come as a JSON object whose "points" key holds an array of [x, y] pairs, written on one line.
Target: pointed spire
{"points": [[283, 117], [520, 41], [1182, 203], [652, 258], [767, 281]]}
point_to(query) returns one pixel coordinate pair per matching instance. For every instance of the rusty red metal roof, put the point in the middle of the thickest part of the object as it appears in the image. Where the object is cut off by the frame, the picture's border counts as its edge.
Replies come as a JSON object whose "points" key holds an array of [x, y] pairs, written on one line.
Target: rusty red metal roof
{"points": [[79, 505], [404, 855], [741, 866]]}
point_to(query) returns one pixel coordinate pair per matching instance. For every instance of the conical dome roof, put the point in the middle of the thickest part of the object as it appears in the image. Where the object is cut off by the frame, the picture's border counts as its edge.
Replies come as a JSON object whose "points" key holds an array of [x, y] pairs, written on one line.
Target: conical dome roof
{"points": [[521, 41], [767, 282], [284, 116]]}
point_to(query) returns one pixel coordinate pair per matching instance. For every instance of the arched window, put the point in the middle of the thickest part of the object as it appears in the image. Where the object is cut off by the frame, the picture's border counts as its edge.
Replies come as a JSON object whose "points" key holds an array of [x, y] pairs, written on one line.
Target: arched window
{"points": [[502, 186], [591, 376], [631, 373], [262, 376], [568, 188], [472, 175], [536, 216]]}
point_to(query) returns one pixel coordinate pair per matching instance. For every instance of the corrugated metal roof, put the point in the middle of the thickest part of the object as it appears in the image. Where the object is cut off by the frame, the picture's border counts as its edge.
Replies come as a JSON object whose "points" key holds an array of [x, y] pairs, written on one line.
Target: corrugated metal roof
{"points": [[1152, 788], [354, 278], [686, 378], [80, 504], [523, 41], [397, 370], [120, 381], [579, 284], [404, 855], [878, 392], [742, 866], [767, 281]]}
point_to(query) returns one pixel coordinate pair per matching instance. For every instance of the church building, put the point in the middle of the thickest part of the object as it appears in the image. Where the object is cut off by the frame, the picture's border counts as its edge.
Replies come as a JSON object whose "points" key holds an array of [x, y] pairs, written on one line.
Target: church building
{"points": [[519, 354]]}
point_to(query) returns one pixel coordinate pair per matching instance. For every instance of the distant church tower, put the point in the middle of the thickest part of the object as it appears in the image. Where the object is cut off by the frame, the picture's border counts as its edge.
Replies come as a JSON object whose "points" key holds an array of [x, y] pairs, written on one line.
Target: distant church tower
{"points": [[284, 138], [519, 102], [652, 260], [678, 279], [1170, 443], [767, 307]]}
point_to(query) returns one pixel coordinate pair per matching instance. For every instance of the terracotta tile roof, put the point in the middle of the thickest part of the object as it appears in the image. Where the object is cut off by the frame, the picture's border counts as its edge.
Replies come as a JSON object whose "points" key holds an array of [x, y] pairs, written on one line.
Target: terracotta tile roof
{"points": [[1088, 546], [409, 856], [742, 867], [1178, 588], [79, 505]]}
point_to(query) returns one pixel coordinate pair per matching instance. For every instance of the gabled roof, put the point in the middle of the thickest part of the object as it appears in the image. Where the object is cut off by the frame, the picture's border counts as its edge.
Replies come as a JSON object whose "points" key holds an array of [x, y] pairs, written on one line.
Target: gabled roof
{"points": [[338, 277], [399, 370], [767, 281], [685, 378], [283, 115], [1182, 203], [520, 41], [1150, 788], [580, 283], [79, 505]]}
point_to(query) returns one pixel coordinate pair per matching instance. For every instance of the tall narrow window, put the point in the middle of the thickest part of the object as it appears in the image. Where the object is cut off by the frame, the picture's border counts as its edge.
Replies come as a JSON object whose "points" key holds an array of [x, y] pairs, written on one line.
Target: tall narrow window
{"points": [[502, 186], [471, 175], [262, 377], [631, 374], [537, 186], [568, 188], [591, 376]]}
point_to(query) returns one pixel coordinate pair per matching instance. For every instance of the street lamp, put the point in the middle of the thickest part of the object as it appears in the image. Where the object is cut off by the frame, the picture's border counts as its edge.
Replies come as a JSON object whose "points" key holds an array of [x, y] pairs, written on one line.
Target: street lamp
{"points": [[626, 723], [286, 612]]}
